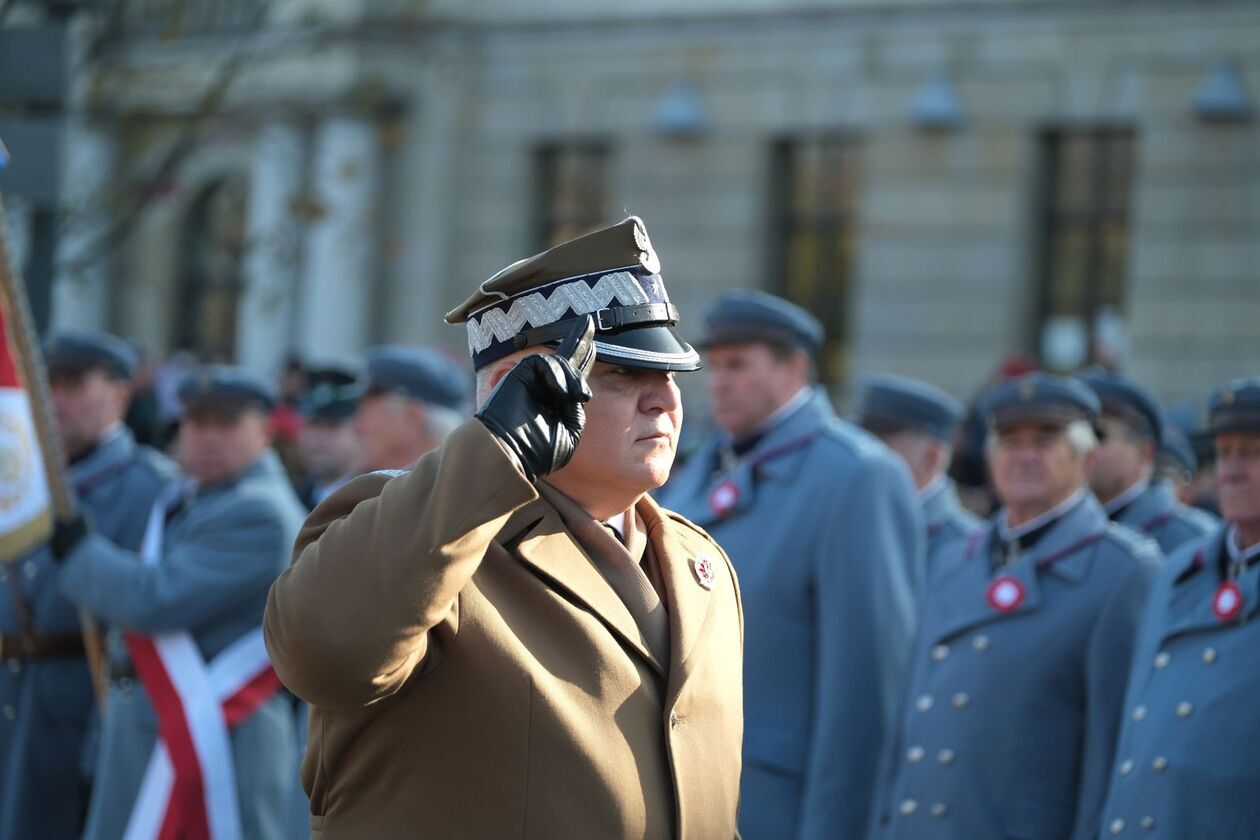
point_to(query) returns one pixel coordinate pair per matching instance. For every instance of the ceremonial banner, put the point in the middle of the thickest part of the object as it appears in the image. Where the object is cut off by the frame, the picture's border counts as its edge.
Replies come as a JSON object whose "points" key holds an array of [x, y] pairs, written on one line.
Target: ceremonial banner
{"points": [[25, 500]]}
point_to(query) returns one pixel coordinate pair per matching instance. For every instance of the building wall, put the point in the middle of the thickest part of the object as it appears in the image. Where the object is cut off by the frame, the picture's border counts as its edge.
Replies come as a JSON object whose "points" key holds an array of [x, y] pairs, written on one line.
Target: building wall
{"points": [[462, 94]]}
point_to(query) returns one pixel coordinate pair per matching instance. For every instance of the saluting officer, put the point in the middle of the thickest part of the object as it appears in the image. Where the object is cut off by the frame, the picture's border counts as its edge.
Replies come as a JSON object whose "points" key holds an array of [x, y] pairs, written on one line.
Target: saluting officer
{"points": [[1123, 478], [45, 687], [1014, 701], [226, 539], [821, 522], [1186, 763], [413, 398], [513, 639], [918, 421]]}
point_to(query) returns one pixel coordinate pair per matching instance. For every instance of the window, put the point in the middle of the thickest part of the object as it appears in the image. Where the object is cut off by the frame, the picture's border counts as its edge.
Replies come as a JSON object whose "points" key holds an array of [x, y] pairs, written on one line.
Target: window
{"points": [[572, 190], [211, 281], [1087, 178], [813, 205]]}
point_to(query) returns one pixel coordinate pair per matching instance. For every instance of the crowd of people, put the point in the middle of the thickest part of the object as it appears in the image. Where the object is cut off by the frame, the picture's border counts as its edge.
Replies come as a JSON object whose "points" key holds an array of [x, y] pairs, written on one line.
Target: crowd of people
{"points": [[511, 611]]}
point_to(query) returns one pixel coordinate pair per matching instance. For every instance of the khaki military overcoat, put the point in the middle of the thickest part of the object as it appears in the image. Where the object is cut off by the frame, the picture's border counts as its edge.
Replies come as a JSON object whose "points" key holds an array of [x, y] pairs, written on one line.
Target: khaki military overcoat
{"points": [[472, 674]]}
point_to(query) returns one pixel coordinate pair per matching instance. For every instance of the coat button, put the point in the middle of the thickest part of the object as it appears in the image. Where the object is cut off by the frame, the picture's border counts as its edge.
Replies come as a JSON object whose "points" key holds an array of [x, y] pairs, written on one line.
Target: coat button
{"points": [[939, 810], [980, 643], [1117, 826], [961, 700], [1139, 714], [1126, 767], [1148, 823], [1184, 708], [908, 807], [10, 713], [923, 703], [940, 652], [945, 756], [1162, 659], [1160, 764], [1209, 655], [914, 755], [673, 719]]}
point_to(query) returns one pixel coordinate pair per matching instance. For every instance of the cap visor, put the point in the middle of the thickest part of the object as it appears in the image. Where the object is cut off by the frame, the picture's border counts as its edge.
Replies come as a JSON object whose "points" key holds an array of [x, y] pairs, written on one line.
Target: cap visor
{"points": [[657, 347]]}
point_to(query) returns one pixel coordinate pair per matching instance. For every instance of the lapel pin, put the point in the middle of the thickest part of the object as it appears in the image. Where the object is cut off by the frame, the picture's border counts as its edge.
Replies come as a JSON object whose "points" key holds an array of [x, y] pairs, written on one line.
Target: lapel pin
{"points": [[702, 566], [1228, 601], [1005, 594], [724, 498]]}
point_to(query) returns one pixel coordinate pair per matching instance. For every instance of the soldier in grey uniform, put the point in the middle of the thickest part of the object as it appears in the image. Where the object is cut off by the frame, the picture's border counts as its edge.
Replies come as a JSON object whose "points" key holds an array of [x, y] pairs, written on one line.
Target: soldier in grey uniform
{"points": [[1178, 464], [918, 421], [821, 523], [1014, 701], [45, 689], [329, 447], [226, 539], [1186, 762], [1123, 477], [413, 398]]}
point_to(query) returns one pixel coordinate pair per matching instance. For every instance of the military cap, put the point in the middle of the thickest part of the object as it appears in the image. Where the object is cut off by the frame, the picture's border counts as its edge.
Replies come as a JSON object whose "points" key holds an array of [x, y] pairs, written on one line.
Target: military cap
{"points": [[1235, 407], [745, 315], [1176, 451], [1041, 397], [332, 393], [225, 389], [612, 274], [897, 403], [1129, 402], [418, 373], [78, 351]]}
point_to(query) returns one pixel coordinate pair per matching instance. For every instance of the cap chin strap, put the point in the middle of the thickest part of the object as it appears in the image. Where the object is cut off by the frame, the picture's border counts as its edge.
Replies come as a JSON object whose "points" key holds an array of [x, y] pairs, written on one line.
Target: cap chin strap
{"points": [[607, 320]]}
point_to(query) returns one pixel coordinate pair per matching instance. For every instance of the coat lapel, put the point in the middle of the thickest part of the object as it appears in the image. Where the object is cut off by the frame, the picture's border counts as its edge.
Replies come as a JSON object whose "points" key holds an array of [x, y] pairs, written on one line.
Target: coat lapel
{"points": [[688, 601], [549, 548], [962, 593], [1190, 602]]}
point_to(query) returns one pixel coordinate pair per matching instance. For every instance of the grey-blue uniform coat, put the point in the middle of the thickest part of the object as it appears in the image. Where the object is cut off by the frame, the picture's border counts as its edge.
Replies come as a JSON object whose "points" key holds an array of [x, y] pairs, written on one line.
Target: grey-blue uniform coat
{"points": [[947, 522], [48, 704], [826, 538], [1187, 763], [220, 554], [1009, 719], [1158, 512]]}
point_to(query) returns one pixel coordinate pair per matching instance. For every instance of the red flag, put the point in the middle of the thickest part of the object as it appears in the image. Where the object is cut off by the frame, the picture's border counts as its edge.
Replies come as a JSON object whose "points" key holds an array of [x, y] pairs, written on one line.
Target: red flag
{"points": [[25, 502]]}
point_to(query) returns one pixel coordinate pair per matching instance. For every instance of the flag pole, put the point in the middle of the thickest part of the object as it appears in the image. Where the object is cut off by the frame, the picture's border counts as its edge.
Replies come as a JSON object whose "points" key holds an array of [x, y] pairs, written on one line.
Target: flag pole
{"points": [[35, 378]]}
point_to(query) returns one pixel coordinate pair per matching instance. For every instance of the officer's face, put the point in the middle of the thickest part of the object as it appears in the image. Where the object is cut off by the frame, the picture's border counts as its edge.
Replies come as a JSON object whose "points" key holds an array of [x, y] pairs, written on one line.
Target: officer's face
{"points": [[216, 447], [631, 433], [87, 404], [1238, 478], [1124, 458], [747, 382], [329, 448], [1034, 466]]}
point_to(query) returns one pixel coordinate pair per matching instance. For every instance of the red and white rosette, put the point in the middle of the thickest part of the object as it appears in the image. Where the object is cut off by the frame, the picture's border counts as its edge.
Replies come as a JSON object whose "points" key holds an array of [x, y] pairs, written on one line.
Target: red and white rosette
{"points": [[1005, 594], [1228, 601], [724, 498]]}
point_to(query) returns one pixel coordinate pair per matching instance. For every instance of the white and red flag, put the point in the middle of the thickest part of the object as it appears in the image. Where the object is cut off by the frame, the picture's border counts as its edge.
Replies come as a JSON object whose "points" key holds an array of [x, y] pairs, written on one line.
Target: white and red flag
{"points": [[25, 500]]}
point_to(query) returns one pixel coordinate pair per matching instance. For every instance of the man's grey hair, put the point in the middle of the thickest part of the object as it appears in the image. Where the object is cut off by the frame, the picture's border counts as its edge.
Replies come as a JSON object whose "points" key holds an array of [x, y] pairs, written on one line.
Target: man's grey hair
{"points": [[1080, 435]]}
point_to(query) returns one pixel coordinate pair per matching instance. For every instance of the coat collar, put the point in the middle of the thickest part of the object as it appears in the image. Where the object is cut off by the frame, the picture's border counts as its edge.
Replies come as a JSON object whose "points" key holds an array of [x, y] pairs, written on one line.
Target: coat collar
{"points": [[111, 455], [941, 504], [1197, 575], [266, 465], [962, 590], [775, 458], [1155, 503]]}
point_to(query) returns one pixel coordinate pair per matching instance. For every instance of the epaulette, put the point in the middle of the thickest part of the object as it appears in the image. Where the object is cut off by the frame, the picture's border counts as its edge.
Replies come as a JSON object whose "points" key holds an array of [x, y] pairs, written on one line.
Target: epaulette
{"points": [[682, 520], [162, 467], [1198, 519], [1134, 542]]}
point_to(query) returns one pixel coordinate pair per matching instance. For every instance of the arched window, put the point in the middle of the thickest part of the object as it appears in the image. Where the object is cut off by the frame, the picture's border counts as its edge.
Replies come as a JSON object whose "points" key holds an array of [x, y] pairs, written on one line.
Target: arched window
{"points": [[210, 282]]}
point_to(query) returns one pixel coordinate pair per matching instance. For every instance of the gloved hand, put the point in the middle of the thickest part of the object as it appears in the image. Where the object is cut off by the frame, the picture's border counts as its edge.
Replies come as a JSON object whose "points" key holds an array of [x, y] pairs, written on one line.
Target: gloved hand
{"points": [[536, 409], [68, 533]]}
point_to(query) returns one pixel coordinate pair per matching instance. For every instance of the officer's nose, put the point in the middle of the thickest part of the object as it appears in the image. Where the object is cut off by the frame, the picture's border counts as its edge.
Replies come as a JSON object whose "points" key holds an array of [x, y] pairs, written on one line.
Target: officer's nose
{"points": [[662, 394]]}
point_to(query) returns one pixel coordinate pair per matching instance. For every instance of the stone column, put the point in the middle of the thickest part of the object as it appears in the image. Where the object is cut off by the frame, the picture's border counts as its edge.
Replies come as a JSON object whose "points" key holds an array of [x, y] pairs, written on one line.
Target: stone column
{"points": [[80, 294], [339, 279], [273, 257]]}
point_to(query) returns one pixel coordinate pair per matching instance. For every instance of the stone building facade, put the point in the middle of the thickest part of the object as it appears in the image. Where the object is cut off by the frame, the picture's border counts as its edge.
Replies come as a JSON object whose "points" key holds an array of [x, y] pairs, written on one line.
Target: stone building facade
{"points": [[943, 182]]}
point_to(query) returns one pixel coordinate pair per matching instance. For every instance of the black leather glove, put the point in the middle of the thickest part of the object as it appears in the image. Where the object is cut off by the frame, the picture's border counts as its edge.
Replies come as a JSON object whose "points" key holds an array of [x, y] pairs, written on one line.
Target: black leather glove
{"points": [[536, 409], [68, 533]]}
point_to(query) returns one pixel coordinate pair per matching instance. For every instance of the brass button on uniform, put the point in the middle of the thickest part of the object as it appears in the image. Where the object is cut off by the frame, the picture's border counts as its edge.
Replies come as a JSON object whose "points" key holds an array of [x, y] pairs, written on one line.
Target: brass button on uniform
{"points": [[1162, 659], [1126, 767], [1160, 764], [980, 643], [914, 755], [945, 756], [1209, 655], [940, 652], [1148, 823], [961, 700], [923, 703], [939, 810], [1117, 826], [1184, 708], [908, 807], [1139, 714]]}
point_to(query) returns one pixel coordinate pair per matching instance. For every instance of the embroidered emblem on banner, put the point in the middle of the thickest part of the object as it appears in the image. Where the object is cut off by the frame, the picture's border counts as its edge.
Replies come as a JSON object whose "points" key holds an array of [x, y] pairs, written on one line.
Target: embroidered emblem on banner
{"points": [[1005, 594], [539, 310]]}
